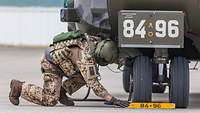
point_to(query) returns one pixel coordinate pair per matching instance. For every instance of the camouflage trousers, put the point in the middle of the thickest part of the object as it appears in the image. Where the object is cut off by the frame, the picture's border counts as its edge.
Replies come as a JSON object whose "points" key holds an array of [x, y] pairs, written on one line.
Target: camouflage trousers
{"points": [[50, 93]]}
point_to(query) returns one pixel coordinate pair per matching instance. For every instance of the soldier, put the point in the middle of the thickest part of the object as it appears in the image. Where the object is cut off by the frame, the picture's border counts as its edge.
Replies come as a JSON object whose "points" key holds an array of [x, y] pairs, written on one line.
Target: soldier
{"points": [[72, 55]]}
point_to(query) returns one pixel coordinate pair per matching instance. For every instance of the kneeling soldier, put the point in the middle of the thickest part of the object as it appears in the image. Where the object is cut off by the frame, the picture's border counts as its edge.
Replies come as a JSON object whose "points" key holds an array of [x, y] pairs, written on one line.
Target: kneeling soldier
{"points": [[72, 55]]}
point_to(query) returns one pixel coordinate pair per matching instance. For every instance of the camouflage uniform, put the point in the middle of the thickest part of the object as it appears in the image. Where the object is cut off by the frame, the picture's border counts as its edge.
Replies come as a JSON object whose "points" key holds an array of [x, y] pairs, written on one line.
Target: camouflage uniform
{"points": [[67, 57]]}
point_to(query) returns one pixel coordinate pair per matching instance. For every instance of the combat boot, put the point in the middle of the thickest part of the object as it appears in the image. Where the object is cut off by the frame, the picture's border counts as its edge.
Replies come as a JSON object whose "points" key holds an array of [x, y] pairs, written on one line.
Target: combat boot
{"points": [[64, 99], [15, 91]]}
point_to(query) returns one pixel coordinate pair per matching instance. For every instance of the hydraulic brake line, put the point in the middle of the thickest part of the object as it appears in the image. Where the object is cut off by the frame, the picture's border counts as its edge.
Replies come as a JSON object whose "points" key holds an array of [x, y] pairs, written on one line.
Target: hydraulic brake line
{"points": [[86, 97]]}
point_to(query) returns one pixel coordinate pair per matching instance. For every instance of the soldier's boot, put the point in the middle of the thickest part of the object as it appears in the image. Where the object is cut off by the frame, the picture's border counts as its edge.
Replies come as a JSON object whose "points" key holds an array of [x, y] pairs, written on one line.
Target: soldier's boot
{"points": [[15, 91], [64, 99]]}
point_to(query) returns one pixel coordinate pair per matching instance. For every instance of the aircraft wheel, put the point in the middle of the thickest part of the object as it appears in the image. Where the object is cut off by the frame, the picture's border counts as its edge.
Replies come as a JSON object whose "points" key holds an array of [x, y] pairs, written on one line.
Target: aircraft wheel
{"points": [[142, 79], [179, 82], [126, 77]]}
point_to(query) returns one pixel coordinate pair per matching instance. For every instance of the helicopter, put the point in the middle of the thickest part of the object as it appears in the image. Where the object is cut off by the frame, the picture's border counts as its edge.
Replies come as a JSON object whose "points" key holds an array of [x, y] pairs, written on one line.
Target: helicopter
{"points": [[153, 35]]}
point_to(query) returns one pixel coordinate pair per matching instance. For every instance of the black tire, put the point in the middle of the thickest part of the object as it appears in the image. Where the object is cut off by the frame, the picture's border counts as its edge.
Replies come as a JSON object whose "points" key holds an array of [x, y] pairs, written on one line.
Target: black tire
{"points": [[158, 89], [126, 78], [142, 79], [179, 82]]}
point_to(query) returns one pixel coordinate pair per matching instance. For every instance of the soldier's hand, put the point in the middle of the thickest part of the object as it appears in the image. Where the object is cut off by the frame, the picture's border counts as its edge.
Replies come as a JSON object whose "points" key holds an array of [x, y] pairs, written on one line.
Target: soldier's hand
{"points": [[119, 103]]}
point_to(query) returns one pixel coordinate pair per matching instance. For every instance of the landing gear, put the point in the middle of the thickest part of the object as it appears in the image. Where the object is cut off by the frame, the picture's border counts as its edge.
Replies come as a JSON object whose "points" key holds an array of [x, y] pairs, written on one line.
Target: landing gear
{"points": [[158, 81], [127, 73], [144, 76], [179, 82], [142, 79], [158, 88]]}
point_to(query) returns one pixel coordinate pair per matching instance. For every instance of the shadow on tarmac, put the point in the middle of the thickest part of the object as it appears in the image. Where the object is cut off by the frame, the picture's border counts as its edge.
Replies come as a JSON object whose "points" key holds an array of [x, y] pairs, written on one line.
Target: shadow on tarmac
{"points": [[194, 101]]}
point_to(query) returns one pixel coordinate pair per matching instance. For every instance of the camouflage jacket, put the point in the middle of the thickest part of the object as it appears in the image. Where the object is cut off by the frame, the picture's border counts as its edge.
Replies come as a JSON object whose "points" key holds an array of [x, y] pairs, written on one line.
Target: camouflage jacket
{"points": [[63, 50]]}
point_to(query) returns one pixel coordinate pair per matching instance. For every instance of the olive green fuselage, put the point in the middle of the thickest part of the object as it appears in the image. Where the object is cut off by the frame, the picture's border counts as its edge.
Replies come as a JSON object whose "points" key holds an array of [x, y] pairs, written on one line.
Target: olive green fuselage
{"points": [[190, 7]]}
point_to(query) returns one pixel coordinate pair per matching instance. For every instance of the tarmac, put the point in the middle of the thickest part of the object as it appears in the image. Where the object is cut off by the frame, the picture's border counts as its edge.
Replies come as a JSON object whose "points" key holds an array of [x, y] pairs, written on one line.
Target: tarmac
{"points": [[24, 64]]}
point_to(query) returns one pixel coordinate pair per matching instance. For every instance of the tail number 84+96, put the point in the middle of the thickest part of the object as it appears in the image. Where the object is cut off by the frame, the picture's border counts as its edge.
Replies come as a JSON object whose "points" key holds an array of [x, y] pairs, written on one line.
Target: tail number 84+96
{"points": [[163, 28]]}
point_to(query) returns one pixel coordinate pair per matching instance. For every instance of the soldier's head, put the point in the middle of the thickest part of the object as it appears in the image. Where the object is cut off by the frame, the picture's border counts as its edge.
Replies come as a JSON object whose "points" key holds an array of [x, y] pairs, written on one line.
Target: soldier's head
{"points": [[106, 52]]}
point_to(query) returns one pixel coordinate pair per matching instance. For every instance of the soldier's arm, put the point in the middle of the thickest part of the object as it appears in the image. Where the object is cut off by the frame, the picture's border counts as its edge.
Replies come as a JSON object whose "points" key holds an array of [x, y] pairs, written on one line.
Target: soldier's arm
{"points": [[88, 70], [87, 67]]}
